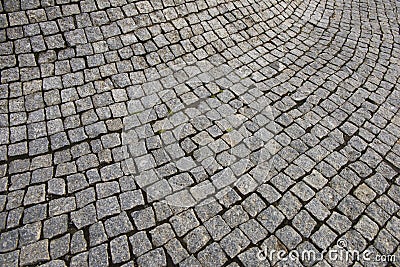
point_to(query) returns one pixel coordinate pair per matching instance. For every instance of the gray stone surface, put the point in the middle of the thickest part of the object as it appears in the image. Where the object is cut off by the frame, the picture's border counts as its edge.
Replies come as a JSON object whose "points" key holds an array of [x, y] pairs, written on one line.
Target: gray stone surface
{"points": [[212, 255], [194, 133], [35, 252]]}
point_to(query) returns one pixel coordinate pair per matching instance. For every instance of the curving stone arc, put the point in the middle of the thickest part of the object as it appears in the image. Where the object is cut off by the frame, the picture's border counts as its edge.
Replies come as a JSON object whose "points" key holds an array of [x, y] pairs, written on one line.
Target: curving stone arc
{"points": [[199, 132]]}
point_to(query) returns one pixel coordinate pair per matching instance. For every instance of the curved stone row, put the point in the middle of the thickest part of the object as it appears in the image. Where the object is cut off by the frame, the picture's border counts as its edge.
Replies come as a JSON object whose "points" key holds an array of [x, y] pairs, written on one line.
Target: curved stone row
{"points": [[92, 97]]}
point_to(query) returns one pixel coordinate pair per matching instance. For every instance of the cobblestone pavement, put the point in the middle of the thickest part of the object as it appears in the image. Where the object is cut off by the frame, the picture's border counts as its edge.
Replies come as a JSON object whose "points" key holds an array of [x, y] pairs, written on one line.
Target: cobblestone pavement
{"points": [[198, 133]]}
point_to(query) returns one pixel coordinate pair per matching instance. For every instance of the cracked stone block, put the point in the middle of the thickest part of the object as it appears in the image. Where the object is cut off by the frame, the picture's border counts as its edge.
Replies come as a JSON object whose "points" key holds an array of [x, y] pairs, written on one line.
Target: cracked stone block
{"points": [[303, 191], [13, 218], [387, 204], [76, 182], [269, 193], [316, 180], [339, 222], [304, 223], [328, 197]]}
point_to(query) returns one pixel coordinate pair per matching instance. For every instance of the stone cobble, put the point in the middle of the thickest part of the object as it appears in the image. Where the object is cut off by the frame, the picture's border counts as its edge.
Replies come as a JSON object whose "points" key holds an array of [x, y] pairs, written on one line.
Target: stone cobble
{"points": [[197, 132]]}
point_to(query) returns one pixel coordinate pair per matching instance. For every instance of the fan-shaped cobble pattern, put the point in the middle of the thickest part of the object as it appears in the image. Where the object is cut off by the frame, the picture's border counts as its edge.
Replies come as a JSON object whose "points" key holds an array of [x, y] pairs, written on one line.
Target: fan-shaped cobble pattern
{"points": [[199, 133]]}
